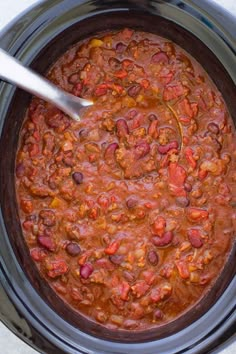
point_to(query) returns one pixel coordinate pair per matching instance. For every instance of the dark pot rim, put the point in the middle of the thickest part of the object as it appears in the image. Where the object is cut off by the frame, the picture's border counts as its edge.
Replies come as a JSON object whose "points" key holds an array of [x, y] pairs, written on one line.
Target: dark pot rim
{"points": [[20, 39]]}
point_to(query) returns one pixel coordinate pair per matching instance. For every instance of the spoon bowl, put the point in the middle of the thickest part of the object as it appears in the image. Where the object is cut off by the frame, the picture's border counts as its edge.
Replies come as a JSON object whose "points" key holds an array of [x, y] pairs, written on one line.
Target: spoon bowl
{"points": [[11, 70]]}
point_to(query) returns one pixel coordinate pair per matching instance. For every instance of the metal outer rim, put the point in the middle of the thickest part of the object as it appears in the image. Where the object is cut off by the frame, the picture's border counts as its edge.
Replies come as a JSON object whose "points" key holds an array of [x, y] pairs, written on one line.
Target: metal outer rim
{"points": [[17, 291]]}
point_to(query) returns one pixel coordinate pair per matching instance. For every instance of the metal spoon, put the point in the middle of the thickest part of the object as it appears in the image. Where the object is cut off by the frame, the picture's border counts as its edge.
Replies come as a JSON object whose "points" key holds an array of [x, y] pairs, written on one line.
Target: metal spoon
{"points": [[13, 71]]}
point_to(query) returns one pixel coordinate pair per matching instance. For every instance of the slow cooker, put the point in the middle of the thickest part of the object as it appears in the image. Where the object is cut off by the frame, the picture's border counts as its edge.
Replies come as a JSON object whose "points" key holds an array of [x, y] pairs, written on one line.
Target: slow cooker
{"points": [[28, 306]]}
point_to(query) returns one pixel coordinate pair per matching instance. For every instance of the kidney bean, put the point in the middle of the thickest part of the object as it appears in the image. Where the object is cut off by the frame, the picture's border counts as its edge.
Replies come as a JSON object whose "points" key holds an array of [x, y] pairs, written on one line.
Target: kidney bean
{"points": [[134, 90], [182, 269], [20, 170], [182, 201], [158, 314], [152, 257], [213, 128], [116, 258], [152, 117], [120, 47], [129, 276], [187, 187], [109, 154], [194, 237], [131, 202], [160, 57], [114, 63], [48, 216], [142, 149], [130, 324], [74, 78], [165, 240], [47, 242], [73, 249], [86, 270], [122, 128], [163, 149], [131, 114], [78, 177]]}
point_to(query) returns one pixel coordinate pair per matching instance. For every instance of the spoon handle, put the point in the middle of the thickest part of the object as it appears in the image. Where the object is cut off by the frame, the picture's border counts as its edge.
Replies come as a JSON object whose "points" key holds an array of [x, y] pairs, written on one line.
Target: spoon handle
{"points": [[14, 72]]}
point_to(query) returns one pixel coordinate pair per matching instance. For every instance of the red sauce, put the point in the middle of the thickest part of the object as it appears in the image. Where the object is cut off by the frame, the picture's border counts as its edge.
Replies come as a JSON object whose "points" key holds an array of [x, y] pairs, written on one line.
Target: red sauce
{"points": [[128, 214]]}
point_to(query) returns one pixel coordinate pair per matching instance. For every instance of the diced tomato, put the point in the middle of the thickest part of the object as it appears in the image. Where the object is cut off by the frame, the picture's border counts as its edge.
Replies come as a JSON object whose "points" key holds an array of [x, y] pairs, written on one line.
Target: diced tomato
{"points": [[190, 158], [125, 288], [101, 90], [177, 177], [38, 254], [173, 91], [56, 268], [196, 215], [187, 108], [140, 288], [202, 174], [112, 248], [121, 74], [158, 227], [26, 205]]}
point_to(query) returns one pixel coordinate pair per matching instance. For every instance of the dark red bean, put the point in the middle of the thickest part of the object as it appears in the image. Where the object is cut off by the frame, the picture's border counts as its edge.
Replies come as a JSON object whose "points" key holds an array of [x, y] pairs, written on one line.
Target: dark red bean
{"points": [[86, 270], [152, 117], [83, 133], [163, 149], [142, 149], [131, 202], [187, 187], [158, 314], [74, 78], [120, 47], [122, 128], [213, 128], [20, 170], [73, 249], [116, 258], [48, 216], [109, 154], [194, 237], [152, 257], [182, 201], [160, 57], [134, 90], [130, 324], [47, 243], [130, 277], [114, 63], [165, 240], [131, 114], [78, 177]]}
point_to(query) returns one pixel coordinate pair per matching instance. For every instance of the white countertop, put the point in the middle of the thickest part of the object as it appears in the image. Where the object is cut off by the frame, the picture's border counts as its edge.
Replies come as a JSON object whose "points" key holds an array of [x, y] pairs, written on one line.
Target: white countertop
{"points": [[8, 10]]}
